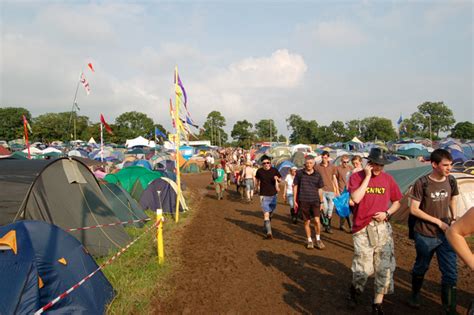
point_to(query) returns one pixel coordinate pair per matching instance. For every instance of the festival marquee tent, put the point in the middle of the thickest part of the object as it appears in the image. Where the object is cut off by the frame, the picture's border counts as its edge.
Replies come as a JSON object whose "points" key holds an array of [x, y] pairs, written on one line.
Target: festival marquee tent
{"points": [[63, 192], [139, 141], [38, 262]]}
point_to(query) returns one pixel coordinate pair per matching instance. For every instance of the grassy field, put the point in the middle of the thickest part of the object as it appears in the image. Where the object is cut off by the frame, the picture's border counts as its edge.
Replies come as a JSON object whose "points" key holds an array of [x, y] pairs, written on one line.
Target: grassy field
{"points": [[136, 274]]}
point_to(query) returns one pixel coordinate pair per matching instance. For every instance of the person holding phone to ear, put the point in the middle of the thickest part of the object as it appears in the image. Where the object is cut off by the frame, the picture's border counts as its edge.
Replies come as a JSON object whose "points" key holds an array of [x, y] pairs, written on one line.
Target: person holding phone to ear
{"points": [[376, 197]]}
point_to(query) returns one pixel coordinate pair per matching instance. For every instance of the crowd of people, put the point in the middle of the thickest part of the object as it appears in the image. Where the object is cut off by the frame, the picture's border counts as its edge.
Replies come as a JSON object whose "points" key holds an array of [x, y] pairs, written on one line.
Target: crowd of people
{"points": [[374, 198]]}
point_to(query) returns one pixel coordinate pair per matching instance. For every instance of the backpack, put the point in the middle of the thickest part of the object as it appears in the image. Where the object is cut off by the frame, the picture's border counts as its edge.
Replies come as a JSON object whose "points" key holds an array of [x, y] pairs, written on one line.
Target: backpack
{"points": [[424, 182]]}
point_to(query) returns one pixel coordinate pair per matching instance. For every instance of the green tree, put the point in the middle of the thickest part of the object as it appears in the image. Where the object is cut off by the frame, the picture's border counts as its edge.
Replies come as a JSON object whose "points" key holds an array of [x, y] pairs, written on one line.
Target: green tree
{"points": [[339, 131], [11, 122], [213, 128], [353, 129], [326, 135], [302, 131], [242, 134], [60, 126], [463, 130], [377, 128], [133, 124], [281, 139], [266, 130], [440, 115]]}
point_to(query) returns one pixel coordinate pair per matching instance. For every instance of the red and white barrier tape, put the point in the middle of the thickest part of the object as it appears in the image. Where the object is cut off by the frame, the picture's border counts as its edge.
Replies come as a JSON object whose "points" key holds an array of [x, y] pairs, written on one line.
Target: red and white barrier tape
{"points": [[104, 225], [108, 262]]}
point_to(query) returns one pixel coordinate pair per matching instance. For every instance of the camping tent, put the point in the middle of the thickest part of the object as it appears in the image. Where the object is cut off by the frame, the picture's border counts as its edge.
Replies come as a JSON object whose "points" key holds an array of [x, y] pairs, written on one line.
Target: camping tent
{"points": [[128, 176], [63, 192], [191, 167], [284, 168], [38, 262], [465, 200], [166, 199], [122, 204]]}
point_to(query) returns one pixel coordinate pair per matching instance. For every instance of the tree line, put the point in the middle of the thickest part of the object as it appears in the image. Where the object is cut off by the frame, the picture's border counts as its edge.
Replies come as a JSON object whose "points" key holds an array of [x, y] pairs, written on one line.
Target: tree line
{"points": [[428, 121]]}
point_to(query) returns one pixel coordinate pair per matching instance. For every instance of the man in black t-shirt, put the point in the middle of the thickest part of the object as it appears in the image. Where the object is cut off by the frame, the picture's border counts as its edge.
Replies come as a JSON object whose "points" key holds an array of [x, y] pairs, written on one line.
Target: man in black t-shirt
{"points": [[308, 193], [433, 205], [268, 179]]}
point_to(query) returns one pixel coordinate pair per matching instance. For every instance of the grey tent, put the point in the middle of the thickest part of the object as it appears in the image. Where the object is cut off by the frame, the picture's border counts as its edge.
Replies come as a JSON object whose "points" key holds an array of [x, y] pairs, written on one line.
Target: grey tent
{"points": [[122, 204], [63, 192], [167, 197]]}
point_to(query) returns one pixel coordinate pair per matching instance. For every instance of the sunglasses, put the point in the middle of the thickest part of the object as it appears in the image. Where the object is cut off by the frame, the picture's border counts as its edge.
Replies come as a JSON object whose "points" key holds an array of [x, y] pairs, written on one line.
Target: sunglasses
{"points": [[345, 162], [265, 163]]}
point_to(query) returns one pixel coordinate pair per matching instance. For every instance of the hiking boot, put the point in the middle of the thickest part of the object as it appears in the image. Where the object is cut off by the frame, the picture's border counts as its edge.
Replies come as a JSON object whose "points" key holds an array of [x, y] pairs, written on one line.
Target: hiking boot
{"points": [[320, 245], [448, 297], [310, 245], [377, 309], [269, 236], [416, 284], [354, 297]]}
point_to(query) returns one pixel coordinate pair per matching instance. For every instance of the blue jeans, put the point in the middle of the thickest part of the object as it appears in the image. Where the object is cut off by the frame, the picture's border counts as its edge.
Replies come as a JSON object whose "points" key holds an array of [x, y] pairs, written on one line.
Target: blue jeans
{"points": [[328, 202], [425, 249], [268, 203], [291, 201]]}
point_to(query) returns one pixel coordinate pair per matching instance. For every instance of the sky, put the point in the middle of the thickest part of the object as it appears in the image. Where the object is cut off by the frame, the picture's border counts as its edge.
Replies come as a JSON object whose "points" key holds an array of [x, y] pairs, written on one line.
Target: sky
{"points": [[322, 60]]}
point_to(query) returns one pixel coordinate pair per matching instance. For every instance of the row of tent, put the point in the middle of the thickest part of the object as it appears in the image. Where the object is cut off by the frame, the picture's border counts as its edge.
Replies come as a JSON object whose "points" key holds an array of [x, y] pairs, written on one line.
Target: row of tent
{"points": [[40, 201]]}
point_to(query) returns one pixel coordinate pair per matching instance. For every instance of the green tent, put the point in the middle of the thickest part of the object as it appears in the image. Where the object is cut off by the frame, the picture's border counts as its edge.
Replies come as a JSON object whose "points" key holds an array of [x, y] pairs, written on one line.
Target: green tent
{"points": [[63, 192], [127, 177], [413, 152], [190, 167], [122, 204]]}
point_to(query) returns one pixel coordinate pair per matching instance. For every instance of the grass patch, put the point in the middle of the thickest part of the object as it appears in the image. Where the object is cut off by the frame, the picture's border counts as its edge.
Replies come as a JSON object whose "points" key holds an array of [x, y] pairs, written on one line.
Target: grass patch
{"points": [[136, 273]]}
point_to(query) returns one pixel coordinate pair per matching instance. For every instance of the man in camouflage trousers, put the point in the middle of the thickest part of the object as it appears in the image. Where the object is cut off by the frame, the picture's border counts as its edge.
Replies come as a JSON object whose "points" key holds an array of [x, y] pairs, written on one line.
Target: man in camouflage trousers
{"points": [[376, 197]]}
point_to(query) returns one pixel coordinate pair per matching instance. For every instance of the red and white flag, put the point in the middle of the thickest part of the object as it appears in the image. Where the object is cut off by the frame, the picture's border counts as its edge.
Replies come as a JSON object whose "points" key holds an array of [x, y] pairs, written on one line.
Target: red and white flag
{"points": [[106, 125], [90, 66], [85, 83]]}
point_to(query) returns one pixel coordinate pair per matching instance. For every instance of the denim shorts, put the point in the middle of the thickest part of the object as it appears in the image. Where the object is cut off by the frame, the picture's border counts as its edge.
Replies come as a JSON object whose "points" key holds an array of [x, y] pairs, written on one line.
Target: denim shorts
{"points": [[291, 200], [249, 185], [268, 203]]}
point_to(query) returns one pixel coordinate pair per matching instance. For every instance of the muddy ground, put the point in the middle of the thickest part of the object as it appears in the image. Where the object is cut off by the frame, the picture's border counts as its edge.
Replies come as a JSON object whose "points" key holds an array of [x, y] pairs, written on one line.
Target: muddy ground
{"points": [[227, 267]]}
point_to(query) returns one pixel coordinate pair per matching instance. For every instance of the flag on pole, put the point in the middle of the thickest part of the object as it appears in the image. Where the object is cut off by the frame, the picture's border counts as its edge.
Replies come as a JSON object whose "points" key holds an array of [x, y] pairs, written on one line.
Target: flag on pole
{"points": [[85, 84], [91, 67], [159, 133], [106, 125], [180, 91], [26, 124], [400, 120]]}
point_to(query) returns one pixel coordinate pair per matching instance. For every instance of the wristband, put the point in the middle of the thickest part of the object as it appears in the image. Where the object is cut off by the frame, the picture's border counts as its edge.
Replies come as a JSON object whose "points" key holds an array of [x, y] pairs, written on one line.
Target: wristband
{"points": [[388, 215]]}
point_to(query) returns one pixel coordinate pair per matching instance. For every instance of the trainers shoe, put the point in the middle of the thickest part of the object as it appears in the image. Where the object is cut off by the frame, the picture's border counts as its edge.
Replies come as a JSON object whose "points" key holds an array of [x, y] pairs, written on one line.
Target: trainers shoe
{"points": [[320, 245], [328, 230], [310, 245]]}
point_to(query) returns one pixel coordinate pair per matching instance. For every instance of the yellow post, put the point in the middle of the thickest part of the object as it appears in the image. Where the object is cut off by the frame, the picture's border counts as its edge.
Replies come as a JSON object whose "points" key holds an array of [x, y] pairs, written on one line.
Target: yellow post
{"points": [[177, 122], [159, 236]]}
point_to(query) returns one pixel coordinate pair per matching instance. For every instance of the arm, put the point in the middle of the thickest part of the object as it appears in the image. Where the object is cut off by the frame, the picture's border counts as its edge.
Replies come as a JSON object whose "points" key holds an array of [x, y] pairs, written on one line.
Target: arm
{"points": [[452, 207], [285, 186], [417, 212], [295, 195], [381, 216], [359, 193], [456, 234], [335, 185], [320, 193]]}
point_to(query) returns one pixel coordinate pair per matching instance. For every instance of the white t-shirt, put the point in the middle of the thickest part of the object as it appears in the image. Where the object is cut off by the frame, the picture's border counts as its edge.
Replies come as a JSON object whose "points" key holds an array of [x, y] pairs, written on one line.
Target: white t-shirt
{"points": [[289, 184]]}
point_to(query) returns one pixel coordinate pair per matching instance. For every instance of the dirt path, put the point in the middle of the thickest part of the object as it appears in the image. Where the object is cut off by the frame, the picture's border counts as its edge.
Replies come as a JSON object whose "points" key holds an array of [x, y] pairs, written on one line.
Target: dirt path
{"points": [[227, 267]]}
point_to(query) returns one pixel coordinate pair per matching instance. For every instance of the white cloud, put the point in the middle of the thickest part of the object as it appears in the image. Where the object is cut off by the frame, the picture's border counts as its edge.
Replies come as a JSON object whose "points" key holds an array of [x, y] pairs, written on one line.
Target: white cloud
{"points": [[339, 33], [281, 70]]}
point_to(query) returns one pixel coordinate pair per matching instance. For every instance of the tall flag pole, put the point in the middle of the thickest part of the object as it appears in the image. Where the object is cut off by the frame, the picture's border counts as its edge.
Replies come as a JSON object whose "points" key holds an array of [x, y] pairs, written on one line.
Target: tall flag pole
{"points": [[26, 127], [177, 142], [103, 124]]}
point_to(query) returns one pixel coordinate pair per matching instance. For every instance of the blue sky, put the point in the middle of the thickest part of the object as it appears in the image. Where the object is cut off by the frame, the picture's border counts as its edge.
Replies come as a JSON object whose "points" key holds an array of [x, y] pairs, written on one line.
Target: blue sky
{"points": [[323, 60]]}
